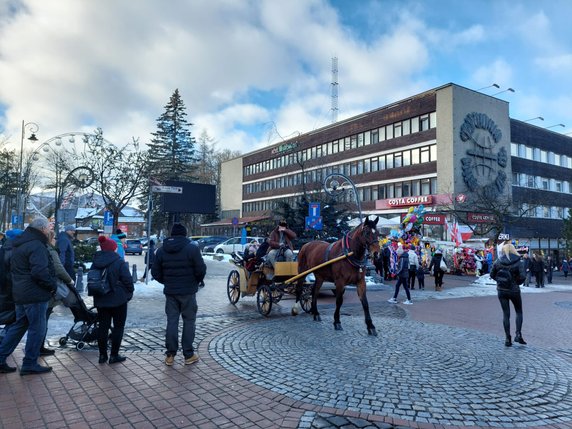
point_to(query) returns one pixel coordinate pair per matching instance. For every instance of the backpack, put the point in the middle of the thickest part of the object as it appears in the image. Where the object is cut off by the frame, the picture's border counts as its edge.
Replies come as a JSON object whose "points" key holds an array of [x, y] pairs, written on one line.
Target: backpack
{"points": [[97, 283], [504, 278]]}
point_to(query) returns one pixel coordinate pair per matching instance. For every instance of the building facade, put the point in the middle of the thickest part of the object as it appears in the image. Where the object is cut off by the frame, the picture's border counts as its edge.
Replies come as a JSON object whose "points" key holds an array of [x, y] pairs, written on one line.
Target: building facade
{"points": [[438, 148]]}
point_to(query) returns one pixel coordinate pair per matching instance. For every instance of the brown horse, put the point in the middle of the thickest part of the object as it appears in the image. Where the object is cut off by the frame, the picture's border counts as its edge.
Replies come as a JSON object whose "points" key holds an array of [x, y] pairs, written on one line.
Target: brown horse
{"points": [[350, 270]]}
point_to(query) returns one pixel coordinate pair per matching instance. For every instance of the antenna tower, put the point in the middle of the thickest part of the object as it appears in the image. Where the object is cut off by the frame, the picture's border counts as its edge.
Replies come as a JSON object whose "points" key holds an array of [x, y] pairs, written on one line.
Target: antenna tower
{"points": [[334, 86]]}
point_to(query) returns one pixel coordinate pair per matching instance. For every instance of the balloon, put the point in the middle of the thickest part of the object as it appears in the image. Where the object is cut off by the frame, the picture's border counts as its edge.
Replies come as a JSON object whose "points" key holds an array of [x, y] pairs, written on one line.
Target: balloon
{"points": [[411, 209], [408, 227], [413, 218]]}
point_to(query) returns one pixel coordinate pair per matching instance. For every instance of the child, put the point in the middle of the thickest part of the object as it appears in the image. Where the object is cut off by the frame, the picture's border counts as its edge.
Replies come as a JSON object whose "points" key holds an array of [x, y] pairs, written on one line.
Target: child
{"points": [[421, 276]]}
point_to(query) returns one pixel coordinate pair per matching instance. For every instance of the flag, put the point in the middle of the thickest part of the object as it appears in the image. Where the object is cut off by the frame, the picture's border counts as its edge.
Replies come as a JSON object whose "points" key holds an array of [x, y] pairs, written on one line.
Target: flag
{"points": [[456, 233]]}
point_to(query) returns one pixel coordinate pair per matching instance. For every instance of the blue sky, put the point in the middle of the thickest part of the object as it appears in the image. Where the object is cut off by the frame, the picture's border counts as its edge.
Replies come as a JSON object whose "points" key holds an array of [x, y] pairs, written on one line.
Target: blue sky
{"points": [[254, 72]]}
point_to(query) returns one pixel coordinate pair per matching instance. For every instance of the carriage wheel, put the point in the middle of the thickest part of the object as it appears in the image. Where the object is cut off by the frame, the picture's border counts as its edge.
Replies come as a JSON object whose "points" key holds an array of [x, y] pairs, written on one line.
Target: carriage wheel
{"points": [[264, 300], [233, 287], [306, 298], [277, 294]]}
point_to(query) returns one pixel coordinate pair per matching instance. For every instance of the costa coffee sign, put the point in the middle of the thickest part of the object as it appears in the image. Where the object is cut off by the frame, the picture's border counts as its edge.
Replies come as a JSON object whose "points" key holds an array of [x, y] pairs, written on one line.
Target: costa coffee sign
{"points": [[410, 201], [430, 219], [480, 218]]}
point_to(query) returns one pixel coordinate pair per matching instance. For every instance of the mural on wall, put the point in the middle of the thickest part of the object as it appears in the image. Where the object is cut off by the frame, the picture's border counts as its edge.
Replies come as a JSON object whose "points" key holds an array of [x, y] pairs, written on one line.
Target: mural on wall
{"points": [[483, 167]]}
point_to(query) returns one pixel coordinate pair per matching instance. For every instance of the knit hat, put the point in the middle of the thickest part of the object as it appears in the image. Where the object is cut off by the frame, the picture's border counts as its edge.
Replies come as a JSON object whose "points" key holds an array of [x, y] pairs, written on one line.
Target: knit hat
{"points": [[283, 223], [13, 233], [178, 229], [412, 247], [70, 228], [120, 234], [107, 244]]}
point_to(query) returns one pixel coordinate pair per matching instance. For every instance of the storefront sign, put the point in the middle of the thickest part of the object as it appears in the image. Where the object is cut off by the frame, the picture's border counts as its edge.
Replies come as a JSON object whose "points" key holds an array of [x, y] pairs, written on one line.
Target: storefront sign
{"points": [[480, 218], [410, 201], [431, 219], [286, 147]]}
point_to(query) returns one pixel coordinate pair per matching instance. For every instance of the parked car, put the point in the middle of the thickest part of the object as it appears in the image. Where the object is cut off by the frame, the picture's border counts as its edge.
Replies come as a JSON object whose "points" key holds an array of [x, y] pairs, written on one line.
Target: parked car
{"points": [[211, 242], [133, 246], [233, 244], [91, 241]]}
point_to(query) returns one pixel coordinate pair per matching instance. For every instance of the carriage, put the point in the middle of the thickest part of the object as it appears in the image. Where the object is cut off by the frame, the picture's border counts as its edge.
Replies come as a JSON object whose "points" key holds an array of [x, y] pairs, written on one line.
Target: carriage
{"points": [[249, 278]]}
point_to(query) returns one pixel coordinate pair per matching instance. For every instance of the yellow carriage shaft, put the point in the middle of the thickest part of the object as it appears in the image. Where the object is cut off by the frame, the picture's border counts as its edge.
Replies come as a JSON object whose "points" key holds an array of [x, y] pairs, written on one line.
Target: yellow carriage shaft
{"points": [[323, 264]]}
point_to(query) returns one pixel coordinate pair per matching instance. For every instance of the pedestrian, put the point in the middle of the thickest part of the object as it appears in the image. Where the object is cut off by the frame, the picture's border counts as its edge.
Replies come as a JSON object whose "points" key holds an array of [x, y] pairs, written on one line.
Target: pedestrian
{"points": [[538, 269], [65, 249], [179, 266], [421, 277], [386, 257], [479, 262], [527, 268], [378, 264], [7, 305], [149, 259], [402, 274], [565, 267], [508, 271], [33, 284], [61, 275], [549, 269], [112, 307], [120, 237], [413, 264], [280, 240], [438, 271]]}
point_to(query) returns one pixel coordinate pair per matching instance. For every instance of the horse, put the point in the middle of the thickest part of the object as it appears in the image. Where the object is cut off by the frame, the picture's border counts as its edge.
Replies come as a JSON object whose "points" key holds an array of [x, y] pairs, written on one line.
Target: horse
{"points": [[350, 270]]}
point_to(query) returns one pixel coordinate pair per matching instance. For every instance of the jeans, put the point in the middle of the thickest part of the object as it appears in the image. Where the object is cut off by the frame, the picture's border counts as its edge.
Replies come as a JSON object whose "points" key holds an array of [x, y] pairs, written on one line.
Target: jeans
{"points": [[176, 306], [105, 315], [402, 281], [527, 280], [30, 318], [412, 277]]}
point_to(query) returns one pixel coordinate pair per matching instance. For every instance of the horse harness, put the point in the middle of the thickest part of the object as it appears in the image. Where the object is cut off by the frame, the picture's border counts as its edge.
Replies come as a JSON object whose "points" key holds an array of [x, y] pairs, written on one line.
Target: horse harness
{"points": [[358, 263]]}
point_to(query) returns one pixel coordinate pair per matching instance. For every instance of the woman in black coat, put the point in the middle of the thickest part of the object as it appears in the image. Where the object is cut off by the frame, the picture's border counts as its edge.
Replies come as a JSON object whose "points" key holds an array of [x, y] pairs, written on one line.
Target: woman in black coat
{"points": [[437, 271], [112, 307]]}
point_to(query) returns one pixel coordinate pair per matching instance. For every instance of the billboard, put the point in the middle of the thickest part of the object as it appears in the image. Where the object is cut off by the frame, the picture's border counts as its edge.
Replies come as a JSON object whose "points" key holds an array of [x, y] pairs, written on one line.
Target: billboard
{"points": [[196, 198]]}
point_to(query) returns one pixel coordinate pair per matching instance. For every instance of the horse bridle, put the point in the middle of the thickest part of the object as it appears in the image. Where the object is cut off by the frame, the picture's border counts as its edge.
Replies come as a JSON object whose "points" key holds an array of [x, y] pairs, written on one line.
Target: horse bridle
{"points": [[370, 239]]}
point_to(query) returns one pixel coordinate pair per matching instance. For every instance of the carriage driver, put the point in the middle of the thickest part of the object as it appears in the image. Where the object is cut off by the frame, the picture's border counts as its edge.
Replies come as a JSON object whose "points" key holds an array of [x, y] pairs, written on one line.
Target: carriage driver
{"points": [[280, 241]]}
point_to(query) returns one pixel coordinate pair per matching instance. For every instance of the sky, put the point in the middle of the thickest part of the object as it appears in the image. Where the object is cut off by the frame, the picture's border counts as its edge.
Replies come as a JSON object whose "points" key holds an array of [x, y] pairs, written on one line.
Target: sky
{"points": [[255, 72]]}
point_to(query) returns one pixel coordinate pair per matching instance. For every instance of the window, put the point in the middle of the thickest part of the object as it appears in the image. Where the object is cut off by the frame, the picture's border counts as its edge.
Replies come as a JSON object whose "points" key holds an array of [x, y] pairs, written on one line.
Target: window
{"points": [[406, 127], [528, 154], [424, 154], [530, 181], [543, 156], [382, 164], [381, 192], [433, 150], [433, 119], [544, 183], [389, 162], [398, 189], [415, 125], [389, 132], [406, 158], [375, 164], [415, 156], [397, 130], [558, 185], [360, 167], [406, 189], [366, 166], [360, 140], [514, 149], [398, 160], [424, 122]]}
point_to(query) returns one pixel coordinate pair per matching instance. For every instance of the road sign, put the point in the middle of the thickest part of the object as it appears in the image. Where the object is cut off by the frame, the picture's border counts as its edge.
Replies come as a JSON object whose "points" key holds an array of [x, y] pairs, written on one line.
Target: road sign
{"points": [[235, 221], [107, 218], [167, 189], [15, 219], [314, 223], [314, 210]]}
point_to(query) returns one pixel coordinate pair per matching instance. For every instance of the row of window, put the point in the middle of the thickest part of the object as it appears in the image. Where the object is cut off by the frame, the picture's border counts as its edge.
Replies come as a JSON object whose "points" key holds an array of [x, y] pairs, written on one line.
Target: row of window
{"points": [[366, 193], [397, 159], [536, 154], [377, 135], [537, 182], [547, 212]]}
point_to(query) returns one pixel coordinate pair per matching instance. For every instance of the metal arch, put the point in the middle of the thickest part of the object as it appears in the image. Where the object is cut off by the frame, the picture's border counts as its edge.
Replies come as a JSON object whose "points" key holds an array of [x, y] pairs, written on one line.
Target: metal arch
{"points": [[82, 183], [72, 135], [336, 184]]}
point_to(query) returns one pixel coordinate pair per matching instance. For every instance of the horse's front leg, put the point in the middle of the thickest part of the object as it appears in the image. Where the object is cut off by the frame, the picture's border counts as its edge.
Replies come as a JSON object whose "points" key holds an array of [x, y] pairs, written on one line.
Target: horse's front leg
{"points": [[340, 289], [363, 298]]}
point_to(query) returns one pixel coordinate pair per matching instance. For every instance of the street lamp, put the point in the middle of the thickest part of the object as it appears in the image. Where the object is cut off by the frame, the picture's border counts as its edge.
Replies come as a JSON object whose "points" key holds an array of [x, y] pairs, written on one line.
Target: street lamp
{"points": [[505, 90], [336, 184], [532, 119], [33, 128], [494, 85], [555, 125]]}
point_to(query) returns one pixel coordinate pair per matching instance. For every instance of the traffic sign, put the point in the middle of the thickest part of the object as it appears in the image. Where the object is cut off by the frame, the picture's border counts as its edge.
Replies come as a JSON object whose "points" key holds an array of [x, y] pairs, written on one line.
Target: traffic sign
{"points": [[167, 189], [314, 223], [314, 210], [235, 221], [107, 218]]}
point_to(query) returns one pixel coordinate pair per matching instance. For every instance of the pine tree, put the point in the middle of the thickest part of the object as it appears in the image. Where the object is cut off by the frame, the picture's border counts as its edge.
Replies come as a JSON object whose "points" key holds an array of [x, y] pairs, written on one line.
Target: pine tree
{"points": [[172, 148]]}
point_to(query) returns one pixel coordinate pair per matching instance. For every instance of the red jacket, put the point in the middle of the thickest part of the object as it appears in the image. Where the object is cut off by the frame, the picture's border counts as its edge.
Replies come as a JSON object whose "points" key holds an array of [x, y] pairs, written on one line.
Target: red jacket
{"points": [[274, 239]]}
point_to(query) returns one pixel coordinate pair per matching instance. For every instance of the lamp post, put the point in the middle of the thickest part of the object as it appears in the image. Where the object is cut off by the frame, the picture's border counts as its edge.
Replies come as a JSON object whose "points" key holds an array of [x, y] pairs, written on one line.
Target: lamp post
{"points": [[336, 184], [555, 125], [494, 85], [33, 128], [533, 119], [504, 90]]}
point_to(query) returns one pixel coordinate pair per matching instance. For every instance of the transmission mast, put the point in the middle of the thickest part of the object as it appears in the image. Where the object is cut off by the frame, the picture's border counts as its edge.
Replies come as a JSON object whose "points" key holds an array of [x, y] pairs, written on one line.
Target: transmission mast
{"points": [[334, 86]]}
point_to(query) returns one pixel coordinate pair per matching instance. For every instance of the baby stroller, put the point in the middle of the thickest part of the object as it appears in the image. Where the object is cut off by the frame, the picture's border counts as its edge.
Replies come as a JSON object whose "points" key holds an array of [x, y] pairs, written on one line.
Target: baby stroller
{"points": [[84, 329]]}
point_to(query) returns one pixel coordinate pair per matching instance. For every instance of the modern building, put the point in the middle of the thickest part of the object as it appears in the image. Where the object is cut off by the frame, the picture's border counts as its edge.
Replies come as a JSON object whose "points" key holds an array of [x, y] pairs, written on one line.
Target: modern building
{"points": [[445, 148]]}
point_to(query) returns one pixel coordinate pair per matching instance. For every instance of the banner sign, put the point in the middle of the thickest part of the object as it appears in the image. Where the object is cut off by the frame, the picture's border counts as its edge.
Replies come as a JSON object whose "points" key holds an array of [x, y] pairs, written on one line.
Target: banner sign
{"points": [[410, 201], [480, 218]]}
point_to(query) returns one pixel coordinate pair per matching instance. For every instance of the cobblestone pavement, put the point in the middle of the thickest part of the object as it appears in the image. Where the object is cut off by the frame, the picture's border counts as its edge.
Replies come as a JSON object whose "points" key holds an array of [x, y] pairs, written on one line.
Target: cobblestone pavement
{"points": [[440, 363]]}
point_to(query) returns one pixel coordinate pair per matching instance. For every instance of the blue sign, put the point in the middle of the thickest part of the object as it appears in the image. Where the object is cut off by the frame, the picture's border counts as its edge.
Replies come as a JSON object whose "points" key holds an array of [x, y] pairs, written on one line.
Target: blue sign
{"points": [[235, 221], [15, 219], [314, 223], [314, 210], [107, 218]]}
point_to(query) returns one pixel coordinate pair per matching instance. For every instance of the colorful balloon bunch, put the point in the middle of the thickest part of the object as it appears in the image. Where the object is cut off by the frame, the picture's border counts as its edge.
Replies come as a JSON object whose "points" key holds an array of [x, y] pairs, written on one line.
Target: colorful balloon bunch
{"points": [[410, 230]]}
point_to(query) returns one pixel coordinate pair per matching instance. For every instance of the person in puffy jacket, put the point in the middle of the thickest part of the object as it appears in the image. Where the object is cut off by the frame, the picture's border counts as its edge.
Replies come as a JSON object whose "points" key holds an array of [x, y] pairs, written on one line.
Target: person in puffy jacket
{"points": [[509, 273], [112, 307], [180, 267], [33, 284], [402, 277]]}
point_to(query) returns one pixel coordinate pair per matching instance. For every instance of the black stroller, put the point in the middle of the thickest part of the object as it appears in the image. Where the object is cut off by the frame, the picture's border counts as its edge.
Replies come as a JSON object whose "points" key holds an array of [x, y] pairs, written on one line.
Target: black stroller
{"points": [[84, 329]]}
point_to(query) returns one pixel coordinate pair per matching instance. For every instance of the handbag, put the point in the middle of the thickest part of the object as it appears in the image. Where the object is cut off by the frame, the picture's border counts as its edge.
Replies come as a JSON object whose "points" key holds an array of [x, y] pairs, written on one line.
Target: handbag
{"points": [[443, 265]]}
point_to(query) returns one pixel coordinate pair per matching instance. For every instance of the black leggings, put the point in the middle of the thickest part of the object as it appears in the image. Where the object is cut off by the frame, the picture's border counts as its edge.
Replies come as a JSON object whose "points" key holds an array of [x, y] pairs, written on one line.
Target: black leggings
{"points": [[105, 315], [505, 298]]}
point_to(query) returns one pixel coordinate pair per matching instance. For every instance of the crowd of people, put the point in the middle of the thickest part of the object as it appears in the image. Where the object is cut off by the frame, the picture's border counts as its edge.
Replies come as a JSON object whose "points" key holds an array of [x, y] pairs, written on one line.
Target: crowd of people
{"points": [[34, 265]]}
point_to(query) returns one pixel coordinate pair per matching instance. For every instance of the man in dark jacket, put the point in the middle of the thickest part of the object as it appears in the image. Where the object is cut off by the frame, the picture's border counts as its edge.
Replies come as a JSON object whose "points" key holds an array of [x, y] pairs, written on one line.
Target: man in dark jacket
{"points": [[65, 249], [33, 284], [280, 241], [179, 266]]}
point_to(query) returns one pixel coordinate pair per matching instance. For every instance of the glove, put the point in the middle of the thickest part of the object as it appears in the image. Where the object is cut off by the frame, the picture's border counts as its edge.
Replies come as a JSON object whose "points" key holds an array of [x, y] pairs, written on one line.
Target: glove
{"points": [[201, 284]]}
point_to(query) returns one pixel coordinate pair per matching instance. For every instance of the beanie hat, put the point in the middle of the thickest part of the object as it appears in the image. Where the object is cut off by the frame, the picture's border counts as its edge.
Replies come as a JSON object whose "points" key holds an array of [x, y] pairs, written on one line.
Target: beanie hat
{"points": [[178, 229], [69, 228], [412, 247], [107, 244]]}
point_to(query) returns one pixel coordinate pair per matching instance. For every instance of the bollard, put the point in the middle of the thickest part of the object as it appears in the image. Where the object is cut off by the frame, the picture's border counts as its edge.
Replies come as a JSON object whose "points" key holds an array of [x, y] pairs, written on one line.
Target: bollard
{"points": [[79, 280], [134, 273]]}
